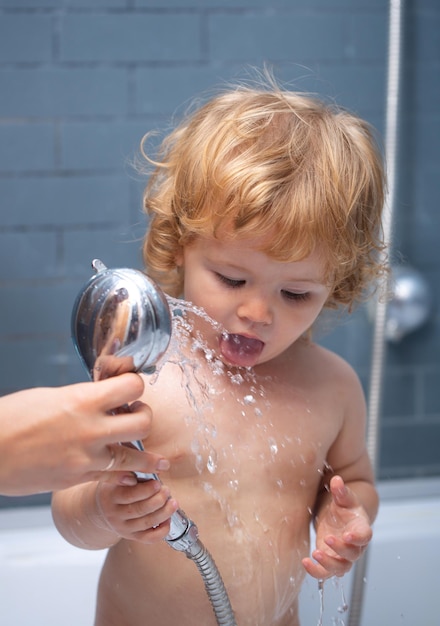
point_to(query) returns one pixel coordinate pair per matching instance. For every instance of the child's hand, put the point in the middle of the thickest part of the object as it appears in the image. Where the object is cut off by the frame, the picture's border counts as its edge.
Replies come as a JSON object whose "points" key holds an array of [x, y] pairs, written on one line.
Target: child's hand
{"points": [[343, 531], [138, 511]]}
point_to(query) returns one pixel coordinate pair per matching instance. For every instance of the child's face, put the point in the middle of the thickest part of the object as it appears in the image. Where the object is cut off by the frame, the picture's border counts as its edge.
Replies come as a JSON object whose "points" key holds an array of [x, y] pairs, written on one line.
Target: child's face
{"points": [[265, 305]]}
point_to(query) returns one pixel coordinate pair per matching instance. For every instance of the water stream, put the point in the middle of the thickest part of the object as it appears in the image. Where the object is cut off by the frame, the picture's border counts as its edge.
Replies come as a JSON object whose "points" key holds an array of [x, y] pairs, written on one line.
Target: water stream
{"points": [[190, 352]]}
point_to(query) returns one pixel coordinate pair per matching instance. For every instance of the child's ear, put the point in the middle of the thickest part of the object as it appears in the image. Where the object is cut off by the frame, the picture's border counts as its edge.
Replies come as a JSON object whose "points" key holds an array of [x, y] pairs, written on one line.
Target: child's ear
{"points": [[178, 259]]}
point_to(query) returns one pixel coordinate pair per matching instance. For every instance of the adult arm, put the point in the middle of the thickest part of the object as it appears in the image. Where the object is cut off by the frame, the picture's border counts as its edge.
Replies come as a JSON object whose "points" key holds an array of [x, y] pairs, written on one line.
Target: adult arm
{"points": [[52, 438]]}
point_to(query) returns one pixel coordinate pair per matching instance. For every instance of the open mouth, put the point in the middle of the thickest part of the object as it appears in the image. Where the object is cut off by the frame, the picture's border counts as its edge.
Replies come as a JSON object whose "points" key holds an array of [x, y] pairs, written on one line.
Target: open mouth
{"points": [[240, 350]]}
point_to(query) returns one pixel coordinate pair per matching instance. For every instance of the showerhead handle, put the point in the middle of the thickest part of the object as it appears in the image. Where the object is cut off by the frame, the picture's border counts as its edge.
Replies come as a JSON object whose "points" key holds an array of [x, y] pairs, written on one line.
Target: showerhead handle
{"points": [[121, 322]]}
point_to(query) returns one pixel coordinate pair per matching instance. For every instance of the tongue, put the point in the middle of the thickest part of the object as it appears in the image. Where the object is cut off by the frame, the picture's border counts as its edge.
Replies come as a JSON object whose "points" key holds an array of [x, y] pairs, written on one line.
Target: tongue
{"points": [[240, 350]]}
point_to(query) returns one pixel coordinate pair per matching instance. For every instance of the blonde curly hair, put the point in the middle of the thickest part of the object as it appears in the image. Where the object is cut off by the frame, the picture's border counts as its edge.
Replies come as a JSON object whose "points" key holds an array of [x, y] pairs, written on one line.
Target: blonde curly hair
{"points": [[264, 162]]}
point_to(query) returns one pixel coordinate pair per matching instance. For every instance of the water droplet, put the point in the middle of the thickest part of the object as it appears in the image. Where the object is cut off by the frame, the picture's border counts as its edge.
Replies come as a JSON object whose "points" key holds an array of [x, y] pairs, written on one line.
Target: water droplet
{"points": [[211, 430], [237, 379], [249, 399], [199, 463], [273, 445], [212, 462]]}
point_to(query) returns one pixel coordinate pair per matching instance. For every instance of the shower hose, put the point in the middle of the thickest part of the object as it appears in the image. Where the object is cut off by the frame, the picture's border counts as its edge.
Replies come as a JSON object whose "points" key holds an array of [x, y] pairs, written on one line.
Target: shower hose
{"points": [[184, 537], [395, 24]]}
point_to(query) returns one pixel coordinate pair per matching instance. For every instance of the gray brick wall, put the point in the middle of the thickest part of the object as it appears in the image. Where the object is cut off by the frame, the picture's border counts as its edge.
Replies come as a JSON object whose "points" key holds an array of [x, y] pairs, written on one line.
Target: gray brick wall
{"points": [[82, 80]]}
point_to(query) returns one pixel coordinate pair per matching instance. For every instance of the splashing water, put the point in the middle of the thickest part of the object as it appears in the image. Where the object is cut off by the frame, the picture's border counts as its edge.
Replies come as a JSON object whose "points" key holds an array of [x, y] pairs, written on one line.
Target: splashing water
{"points": [[187, 345], [342, 608], [321, 601], [190, 352]]}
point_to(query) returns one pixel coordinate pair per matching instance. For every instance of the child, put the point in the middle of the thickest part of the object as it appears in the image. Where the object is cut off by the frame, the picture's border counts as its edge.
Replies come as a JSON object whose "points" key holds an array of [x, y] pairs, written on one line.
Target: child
{"points": [[265, 209]]}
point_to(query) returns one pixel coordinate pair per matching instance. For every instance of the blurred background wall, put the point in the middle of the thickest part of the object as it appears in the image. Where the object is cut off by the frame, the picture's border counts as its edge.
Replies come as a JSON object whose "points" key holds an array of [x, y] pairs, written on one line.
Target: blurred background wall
{"points": [[81, 81]]}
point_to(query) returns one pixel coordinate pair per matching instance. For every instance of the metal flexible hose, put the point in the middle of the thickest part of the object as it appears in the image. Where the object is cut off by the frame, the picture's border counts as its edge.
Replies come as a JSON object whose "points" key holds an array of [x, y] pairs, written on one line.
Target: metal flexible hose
{"points": [[184, 537], [213, 582]]}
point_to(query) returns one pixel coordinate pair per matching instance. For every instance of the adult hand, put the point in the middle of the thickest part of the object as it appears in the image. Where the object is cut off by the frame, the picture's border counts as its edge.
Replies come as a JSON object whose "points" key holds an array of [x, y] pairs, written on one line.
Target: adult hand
{"points": [[53, 438]]}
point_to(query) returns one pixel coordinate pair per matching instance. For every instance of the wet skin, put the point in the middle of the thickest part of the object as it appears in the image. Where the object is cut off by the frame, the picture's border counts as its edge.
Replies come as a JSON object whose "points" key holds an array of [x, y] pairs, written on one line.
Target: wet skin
{"points": [[249, 473]]}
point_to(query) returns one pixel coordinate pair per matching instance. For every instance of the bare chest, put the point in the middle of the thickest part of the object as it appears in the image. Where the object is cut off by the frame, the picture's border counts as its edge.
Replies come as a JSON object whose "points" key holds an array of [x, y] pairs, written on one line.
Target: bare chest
{"points": [[256, 435]]}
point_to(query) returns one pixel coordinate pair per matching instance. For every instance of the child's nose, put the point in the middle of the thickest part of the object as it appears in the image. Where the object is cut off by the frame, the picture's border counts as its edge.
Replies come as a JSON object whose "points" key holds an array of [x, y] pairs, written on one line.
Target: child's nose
{"points": [[256, 310]]}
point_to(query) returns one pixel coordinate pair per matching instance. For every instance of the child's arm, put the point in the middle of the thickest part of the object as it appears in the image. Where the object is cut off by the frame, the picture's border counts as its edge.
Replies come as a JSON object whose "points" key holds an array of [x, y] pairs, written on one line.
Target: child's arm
{"points": [[348, 502], [343, 527], [97, 515]]}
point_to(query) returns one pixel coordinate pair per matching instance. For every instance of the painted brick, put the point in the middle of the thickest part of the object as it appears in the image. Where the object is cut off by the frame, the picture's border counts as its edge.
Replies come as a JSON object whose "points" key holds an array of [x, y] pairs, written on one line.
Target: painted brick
{"points": [[37, 308], [25, 38], [406, 448], [169, 89], [69, 200], [347, 334], [25, 255], [122, 37], [31, 363], [201, 4], [94, 145], [422, 244], [115, 248], [425, 143], [49, 91], [358, 87], [420, 348], [67, 4], [399, 394], [295, 38], [39, 499], [27, 147], [362, 45], [425, 88], [75, 370], [261, 4], [431, 396], [428, 46]]}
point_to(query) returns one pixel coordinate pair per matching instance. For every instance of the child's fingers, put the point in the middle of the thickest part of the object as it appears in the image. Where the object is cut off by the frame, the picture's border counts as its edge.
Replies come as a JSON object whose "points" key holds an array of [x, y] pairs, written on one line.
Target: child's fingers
{"points": [[326, 565], [314, 569], [154, 534], [342, 496], [158, 512], [152, 500], [349, 551]]}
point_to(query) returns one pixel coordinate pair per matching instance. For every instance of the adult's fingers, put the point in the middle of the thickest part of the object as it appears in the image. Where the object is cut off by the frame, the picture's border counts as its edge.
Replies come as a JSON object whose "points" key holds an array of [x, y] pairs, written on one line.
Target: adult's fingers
{"points": [[132, 424], [122, 458], [117, 391]]}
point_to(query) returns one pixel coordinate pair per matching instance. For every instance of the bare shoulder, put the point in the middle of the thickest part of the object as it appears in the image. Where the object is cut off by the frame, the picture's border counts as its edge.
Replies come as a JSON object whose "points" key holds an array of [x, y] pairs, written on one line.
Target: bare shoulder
{"points": [[325, 365]]}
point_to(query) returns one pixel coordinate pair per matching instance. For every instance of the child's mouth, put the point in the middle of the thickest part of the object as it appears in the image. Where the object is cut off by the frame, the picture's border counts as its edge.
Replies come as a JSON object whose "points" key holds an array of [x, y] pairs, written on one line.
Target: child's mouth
{"points": [[240, 350]]}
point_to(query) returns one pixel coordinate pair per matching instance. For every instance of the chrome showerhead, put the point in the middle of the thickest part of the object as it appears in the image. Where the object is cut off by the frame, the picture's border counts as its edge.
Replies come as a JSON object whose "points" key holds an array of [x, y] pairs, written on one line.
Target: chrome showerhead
{"points": [[121, 322]]}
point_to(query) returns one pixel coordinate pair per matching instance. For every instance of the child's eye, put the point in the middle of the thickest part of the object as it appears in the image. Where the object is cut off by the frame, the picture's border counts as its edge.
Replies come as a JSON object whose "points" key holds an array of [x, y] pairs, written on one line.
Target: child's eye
{"points": [[230, 282], [297, 296]]}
